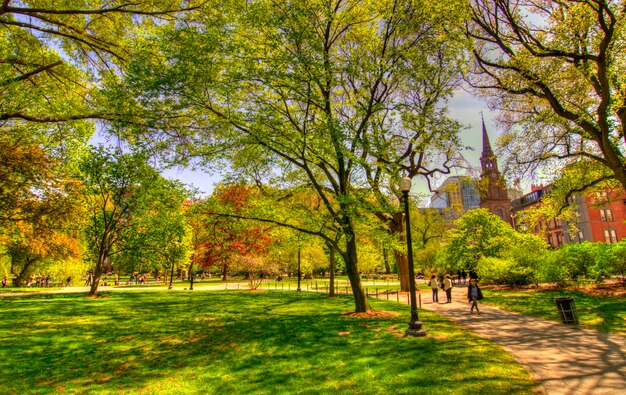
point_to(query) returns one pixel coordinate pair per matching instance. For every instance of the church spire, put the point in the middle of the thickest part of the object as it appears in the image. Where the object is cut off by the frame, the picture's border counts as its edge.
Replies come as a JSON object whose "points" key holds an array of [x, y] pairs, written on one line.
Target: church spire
{"points": [[487, 151], [494, 196]]}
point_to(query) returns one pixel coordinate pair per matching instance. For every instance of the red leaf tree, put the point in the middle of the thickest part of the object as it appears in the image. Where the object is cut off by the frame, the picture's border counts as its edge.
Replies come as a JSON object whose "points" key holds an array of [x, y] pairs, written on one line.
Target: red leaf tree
{"points": [[220, 236]]}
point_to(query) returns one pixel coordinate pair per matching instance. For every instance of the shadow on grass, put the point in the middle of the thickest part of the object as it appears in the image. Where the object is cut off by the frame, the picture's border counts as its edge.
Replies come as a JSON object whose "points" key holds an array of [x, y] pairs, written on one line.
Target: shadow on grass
{"points": [[601, 313], [216, 342]]}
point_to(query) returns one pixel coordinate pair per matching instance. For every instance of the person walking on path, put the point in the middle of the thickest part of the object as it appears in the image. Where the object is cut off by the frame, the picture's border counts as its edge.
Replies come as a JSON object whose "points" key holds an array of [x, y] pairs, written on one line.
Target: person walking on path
{"points": [[474, 294], [447, 287], [434, 285]]}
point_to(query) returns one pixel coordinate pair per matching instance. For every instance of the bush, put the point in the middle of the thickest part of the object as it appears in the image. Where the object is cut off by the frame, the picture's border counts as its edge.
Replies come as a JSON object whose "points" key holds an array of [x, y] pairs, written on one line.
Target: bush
{"points": [[493, 270], [552, 270]]}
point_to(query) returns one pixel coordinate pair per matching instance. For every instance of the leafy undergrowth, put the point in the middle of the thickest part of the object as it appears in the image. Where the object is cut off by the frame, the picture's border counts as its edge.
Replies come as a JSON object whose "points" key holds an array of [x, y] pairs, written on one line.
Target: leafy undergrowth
{"points": [[239, 342]]}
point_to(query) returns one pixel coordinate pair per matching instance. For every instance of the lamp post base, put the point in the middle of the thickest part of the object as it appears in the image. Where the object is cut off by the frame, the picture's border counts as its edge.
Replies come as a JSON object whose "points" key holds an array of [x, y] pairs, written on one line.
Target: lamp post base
{"points": [[415, 329]]}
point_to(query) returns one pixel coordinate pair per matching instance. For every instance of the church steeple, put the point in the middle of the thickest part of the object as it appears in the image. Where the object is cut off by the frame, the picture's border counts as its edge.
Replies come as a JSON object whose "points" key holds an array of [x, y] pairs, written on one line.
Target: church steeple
{"points": [[487, 151], [488, 162], [493, 192]]}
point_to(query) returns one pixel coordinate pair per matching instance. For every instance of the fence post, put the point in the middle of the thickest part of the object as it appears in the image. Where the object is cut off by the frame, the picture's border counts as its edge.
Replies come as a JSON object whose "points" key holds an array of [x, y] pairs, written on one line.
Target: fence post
{"points": [[398, 296]]}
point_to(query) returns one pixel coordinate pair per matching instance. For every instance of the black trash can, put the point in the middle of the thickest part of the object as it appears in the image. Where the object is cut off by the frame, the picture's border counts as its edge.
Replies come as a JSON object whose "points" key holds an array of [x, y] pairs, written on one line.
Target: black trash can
{"points": [[567, 310]]}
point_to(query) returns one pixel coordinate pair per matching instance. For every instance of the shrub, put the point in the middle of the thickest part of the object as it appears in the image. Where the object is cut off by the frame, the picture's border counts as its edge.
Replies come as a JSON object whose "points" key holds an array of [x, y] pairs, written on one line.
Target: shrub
{"points": [[552, 270], [494, 270]]}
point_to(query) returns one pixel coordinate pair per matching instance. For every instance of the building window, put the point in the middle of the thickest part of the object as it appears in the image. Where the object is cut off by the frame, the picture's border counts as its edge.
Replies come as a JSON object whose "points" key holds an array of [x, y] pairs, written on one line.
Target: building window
{"points": [[549, 240], [602, 215], [581, 236], [609, 215], [610, 236], [559, 239]]}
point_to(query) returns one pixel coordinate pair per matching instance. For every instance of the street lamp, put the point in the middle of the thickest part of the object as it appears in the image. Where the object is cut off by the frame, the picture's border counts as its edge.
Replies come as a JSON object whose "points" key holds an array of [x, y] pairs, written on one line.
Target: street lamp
{"points": [[299, 266], [415, 325]]}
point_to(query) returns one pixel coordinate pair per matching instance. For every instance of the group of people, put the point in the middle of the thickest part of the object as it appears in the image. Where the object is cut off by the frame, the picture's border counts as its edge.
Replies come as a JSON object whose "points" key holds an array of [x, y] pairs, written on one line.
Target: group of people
{"points": [[39, 280], [474, 294]]}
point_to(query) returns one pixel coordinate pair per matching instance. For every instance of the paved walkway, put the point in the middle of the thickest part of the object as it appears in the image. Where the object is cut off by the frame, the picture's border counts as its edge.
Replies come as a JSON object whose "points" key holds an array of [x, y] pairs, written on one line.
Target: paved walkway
{"points": [[564, 359]]}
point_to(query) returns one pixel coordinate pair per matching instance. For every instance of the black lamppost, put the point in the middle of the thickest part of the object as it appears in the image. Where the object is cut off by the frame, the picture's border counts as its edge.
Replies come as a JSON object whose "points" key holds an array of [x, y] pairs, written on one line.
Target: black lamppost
{"points": [[415, 325], [299, 271], [171, 277]]}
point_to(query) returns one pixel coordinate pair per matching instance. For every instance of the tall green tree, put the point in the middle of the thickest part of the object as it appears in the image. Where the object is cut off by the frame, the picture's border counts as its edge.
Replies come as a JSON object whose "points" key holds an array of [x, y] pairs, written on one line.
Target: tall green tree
{"points": [[131, 210], [40, 207], [556, 71], [478, 233], [483, 242], [302, 95]]}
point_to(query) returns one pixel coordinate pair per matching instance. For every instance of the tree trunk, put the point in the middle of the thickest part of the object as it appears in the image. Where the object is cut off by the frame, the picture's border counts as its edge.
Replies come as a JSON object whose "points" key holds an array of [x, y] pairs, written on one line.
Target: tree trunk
{"points": [[27, 266], [396, 227], [97, 273], [350, 259], [386, 260], [224, 272], [333, 265], [21, 264]]}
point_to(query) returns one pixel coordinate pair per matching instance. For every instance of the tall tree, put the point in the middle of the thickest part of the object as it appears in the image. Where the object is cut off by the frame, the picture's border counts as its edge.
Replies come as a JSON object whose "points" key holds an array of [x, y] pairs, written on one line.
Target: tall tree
{"points": [[555, 69], [127, 199], [299, 94], [221, 235], [40, 207]]}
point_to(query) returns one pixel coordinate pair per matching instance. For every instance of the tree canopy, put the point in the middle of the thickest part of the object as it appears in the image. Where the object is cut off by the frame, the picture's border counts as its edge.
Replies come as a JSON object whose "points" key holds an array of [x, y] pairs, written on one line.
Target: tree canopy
{"points": [[556, 71], [328, 96], [132, 210]]}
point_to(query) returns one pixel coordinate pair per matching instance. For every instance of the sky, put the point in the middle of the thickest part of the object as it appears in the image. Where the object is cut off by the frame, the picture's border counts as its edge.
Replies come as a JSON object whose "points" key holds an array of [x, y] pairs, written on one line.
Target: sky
{"points": [[463, 106]]}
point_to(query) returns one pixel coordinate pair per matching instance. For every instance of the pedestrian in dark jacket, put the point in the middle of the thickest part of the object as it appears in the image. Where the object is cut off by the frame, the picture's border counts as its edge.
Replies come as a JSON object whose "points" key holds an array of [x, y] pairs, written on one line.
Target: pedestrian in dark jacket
{"points": [[474, 294]]}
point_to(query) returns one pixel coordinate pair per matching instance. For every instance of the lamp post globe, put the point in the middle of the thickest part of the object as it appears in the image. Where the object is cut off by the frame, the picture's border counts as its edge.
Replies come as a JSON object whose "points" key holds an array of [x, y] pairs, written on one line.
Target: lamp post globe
{"points": [[405, 184], [415, 325]]}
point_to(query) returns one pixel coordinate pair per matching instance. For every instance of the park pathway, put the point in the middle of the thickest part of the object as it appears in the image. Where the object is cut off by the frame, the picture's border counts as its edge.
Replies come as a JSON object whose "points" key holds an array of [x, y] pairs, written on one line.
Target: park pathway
{"points": [[564, 359]]}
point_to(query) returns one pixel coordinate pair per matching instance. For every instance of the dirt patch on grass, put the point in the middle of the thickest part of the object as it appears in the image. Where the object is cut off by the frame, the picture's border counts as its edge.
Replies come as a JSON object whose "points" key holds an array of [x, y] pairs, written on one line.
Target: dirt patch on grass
{"points": [[616, 288], [372, 314], [396, 331], [97, 296]]}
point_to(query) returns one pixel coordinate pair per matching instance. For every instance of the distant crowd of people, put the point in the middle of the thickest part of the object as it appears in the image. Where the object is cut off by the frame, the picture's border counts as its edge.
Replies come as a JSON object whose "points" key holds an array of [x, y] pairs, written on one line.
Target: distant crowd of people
{"points": [[37, 280]]}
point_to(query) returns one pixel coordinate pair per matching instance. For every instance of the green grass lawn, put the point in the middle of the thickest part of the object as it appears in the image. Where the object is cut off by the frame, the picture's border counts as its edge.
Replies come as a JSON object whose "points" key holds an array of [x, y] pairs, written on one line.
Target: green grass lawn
{"points": [[606, 314], [229, 342]]}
